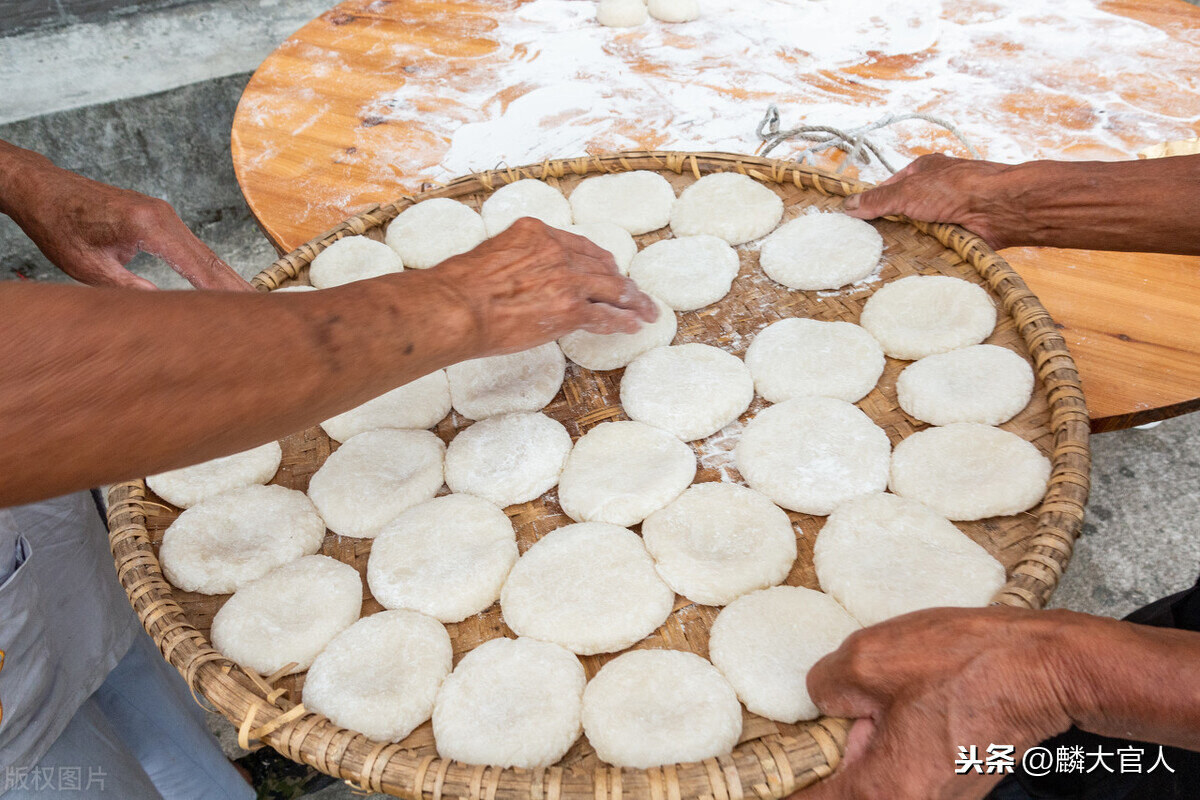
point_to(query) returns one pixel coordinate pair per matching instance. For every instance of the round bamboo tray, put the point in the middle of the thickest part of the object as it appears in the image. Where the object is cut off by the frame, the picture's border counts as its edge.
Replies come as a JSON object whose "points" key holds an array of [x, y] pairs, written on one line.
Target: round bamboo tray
{"points": [[772, 759]]}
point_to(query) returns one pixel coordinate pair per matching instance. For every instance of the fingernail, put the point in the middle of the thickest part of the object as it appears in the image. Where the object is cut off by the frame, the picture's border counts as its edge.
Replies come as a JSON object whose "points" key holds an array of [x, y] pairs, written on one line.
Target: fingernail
{"points": [[852, 202]]}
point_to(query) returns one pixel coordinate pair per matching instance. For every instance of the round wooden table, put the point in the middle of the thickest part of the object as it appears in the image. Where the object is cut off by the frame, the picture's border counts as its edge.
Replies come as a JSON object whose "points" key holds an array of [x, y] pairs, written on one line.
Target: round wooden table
{"points": [[377, 97]]}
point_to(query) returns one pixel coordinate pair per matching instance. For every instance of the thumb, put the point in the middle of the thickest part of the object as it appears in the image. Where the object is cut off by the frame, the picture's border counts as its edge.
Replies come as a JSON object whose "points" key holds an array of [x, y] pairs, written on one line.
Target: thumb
{"points": [[881, 201], [175, 244]]}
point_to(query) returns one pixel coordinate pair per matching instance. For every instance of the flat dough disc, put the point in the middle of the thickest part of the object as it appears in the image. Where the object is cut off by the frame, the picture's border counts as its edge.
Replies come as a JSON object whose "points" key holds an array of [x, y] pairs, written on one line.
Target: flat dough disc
{"points": [[373, 477], [228, 540], [610, 237], [381, 675], [510, 459], [447, 557], [718, 541], [353, 258], [433, 230], [422, 403], [525, 198], [189, 485], [614, 350], [982, 383], [968, 471], [812, 453], [734, 207], [510, 703], [821, 251], [921, 315], [686, 273], [689, 390], [674, 10], [524, 381], [621, 472], [882, 556], [590, 587], [805, 358], [620, 13], [638, 201], [647, 708], [765, 643], [288, 615]]}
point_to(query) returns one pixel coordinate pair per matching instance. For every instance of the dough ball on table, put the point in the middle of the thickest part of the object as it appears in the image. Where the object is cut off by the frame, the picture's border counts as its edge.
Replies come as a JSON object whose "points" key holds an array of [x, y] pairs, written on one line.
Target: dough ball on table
{"points": [[446, 558], [510, 459], [968, 471], [807, 358], [590, 587], [882, 556], [734, 207], [601, 351], [821, 251], [228, 540], [638, 201], [288, 615], [718, 541], [189, 485], [510, 703], [621, 472], [354, 258], [621, 13], [525, 198], [921, 315], [381, 675], [422, 403], [674, 10], [686, 273], [689, 390], [765, 643], [524, 381], [647, 708], [433, 230], [981, 383], [812, 453], [373, 477], [610, 237]]}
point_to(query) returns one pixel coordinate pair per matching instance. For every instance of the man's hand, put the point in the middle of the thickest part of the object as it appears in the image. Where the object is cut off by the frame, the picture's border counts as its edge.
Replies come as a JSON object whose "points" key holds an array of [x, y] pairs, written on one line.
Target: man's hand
{"points": [[533, 283], [91, 230]]}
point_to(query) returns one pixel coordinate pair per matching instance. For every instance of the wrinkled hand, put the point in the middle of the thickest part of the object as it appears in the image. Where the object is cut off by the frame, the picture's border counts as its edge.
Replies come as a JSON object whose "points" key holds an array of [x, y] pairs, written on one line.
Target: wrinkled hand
{"points": [[91, 230], [533, 283], [937, 188], [921, 685]]}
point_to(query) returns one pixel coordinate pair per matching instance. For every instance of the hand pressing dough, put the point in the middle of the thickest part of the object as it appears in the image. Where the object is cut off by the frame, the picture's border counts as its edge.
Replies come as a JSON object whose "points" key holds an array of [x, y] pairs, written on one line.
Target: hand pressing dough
{"points": [[621, 472], [686, 273], [765, 643], [510, 703], [921, 315], [187, 486], [610, 237], [821, 251], [882, 556], [638, 201], [647, 708], [968, 471], [509, 459], [734, 207], [982, 383], [525, 198], [373, 477], [718, 541], [422, 403], [674, 10], [812, 453], [805, 358], [228, 540], [590, 587], [524, 381], [620, 13], [288, 615], [381, 675], [689, 390], [446, 558], [353, 258], [426, 234], [601, 351]]}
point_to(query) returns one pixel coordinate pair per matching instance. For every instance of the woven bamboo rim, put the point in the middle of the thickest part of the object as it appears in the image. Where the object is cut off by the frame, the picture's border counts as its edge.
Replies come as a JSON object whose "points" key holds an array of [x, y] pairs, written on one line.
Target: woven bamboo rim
{"points": [[772, 761]]}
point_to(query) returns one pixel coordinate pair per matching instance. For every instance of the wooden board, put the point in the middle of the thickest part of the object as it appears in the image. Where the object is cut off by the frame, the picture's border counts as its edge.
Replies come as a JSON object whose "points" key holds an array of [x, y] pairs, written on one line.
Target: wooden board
{"points": [[361, 106]]}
